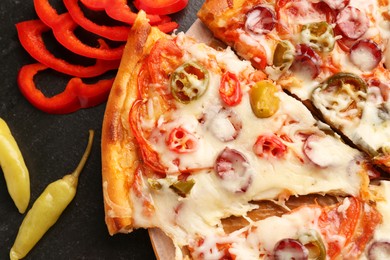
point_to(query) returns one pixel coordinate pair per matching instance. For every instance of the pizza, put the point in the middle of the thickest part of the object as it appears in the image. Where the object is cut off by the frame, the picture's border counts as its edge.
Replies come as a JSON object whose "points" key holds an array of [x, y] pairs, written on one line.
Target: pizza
{"points": [[332, 55], [202, 147]]}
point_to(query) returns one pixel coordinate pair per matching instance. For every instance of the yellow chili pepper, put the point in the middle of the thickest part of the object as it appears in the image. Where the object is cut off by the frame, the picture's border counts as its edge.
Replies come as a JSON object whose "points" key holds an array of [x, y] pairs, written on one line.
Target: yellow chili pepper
{"points": [[15, 171], [47, 208]]}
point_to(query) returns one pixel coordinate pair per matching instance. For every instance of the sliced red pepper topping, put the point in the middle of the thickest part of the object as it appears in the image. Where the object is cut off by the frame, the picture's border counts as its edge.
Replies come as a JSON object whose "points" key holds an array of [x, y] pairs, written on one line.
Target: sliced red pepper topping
{"points": [[182, 141], [269, 146], [143, 82], [149, 155], [141, 112], [115, 33], [356, 223], [230, 89], [63, 27], [165, 56], [76, 95], [167, 26], [30, 36], [160, 6]]}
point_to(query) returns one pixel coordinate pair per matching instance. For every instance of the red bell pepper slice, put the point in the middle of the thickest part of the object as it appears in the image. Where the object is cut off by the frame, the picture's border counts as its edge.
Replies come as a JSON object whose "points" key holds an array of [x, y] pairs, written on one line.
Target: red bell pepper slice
{"points": [[115, 33], [182, 141], [230, 89], [160, 7], [120, 11], [76, 95], [63, 28], [167, 25], [64, 33], [96, 5], [30, 36]]}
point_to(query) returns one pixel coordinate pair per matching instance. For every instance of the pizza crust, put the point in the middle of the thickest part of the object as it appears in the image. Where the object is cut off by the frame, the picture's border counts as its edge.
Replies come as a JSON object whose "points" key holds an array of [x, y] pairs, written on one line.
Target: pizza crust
{"points": [[119, 149]]}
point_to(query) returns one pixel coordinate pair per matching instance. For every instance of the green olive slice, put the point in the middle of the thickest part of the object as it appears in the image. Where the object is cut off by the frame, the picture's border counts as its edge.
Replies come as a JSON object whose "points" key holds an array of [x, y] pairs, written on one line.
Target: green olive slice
{"points": [[263, 99], [283, 55]]}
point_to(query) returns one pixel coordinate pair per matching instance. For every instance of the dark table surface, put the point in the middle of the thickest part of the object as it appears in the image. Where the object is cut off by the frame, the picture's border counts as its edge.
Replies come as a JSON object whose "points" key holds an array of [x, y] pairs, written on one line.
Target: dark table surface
{"points": [[52, 146]]}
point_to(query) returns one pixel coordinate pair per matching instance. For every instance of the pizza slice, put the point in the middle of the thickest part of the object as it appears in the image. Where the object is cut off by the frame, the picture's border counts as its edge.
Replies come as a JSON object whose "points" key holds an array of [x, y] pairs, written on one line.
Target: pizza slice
{"points": [[193, 136], [331, 55], [309, 227]]}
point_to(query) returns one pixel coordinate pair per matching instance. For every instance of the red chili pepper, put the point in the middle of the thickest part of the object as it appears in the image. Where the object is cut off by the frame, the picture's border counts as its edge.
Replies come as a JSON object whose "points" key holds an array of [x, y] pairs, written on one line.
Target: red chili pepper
{"points": [[269, 146], [30, 36], [63, 27], [230, 90], [76, 95]]}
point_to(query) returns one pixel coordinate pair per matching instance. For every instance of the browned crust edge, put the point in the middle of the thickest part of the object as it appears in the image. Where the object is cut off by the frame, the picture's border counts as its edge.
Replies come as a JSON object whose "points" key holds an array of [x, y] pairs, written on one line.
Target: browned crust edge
{"points": [[210, 12], [118, 145]]}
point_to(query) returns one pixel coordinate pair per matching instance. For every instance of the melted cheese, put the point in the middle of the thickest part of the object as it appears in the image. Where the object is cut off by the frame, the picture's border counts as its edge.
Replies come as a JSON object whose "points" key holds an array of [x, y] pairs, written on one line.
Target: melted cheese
{"points": [[213, 198], [210, 144], [371, 130], [382, 231], [303, 13], [332, 166], [260, 237], [383, 205]]}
